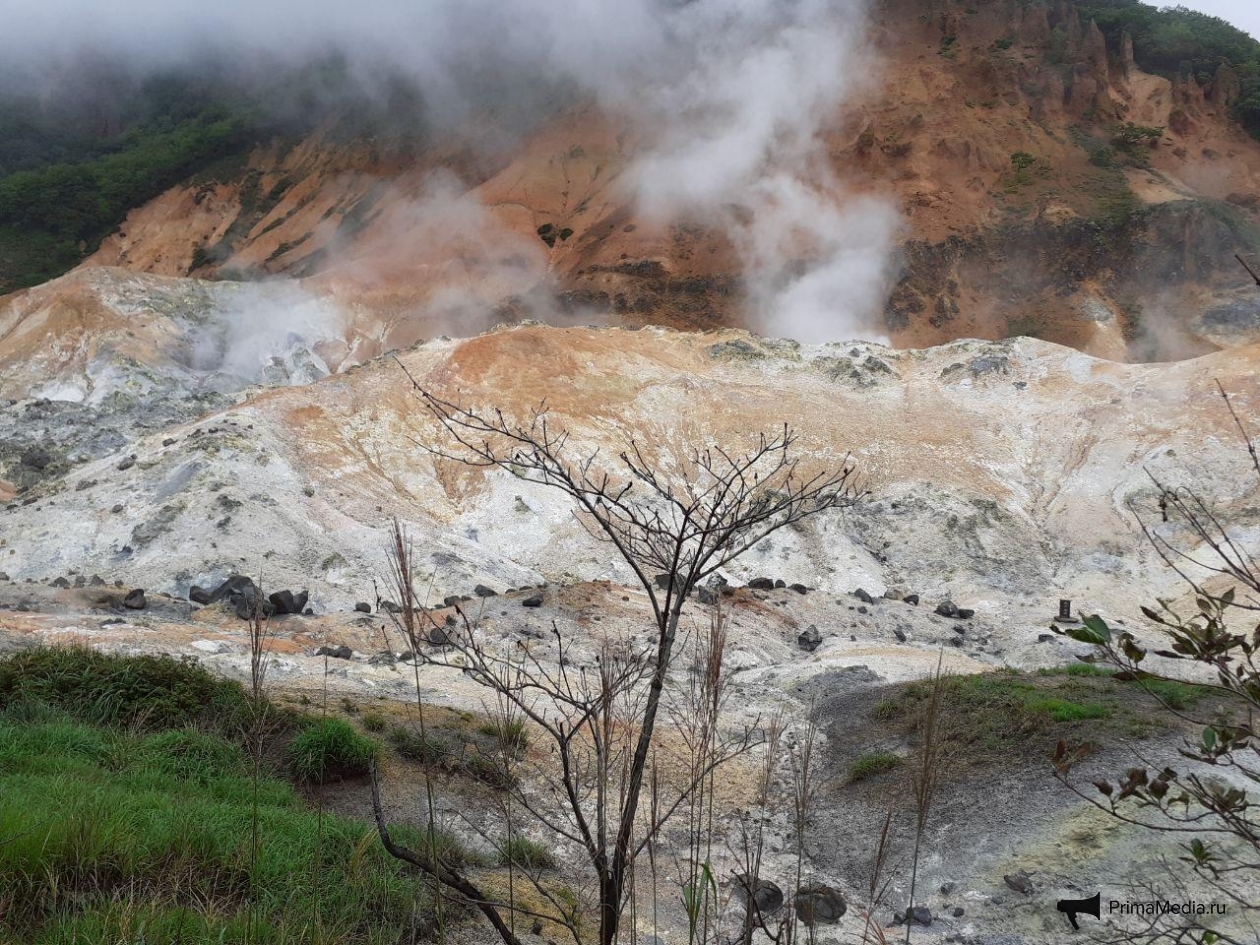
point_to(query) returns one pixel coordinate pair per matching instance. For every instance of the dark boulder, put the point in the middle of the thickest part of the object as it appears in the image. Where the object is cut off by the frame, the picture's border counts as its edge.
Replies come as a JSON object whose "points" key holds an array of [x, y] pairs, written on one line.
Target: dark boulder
{"points": [[199, 595], [286, 602], [965, 613], [233, 587], [779, 584], [767, 896], [363, 607], [451, 601], [438, 636], [250, 604], [60, 582], [706, 596], [389, 607], [127, 462], [534, 601], [135, 599], [36, 458], [661, 581], [761, 584], [482, 591], [819, 903], [342, 652], [900, 635], [911, 599], [947, 608], [799, 588], [809, 639], [863, 596]]}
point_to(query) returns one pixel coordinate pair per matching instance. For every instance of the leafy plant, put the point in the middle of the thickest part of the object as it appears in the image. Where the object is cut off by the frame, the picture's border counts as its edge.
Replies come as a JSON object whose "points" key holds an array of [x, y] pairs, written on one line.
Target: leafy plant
{"points": [[330, 748]]}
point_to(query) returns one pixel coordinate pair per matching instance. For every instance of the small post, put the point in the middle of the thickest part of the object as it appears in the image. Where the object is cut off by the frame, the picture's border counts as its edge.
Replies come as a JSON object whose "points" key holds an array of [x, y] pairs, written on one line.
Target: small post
{"points": [[1065, 609]]}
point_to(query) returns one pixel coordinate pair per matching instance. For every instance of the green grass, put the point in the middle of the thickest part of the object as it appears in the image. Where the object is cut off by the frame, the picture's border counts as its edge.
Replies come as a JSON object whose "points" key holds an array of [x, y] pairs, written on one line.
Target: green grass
{"points": [[527, 853], [328, 749], [109, 836], [871, 763], [373, 721], [149, 693], [514, 735]]}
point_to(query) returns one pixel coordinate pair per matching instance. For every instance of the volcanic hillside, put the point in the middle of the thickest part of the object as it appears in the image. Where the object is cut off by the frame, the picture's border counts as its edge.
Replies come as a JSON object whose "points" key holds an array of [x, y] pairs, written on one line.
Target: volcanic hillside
{"points": [[1046, 184]]}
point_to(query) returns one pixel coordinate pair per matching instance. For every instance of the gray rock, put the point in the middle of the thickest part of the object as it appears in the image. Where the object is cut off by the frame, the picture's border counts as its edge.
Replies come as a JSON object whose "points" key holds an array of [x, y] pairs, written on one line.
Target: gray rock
{"points": [[911, 599], [1021, 882], [809, 639], [286, 602], [482, 591], [363, 607], [863, 596], [128, 462], [3, 576], [779, 584], [819, 903], [965, 613], [767, 896], [947, 608], [799, 588], [60, 582], [761, 584], [135, 599], [451, 601], [706, 596], [438, 636], [900, 635], [342, 652], [199, 595], [535, 601]]}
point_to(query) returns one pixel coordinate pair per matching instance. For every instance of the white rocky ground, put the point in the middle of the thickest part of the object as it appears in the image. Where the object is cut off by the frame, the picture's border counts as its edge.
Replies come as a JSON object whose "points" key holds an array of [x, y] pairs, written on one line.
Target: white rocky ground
{"points": [[1002, 476]]}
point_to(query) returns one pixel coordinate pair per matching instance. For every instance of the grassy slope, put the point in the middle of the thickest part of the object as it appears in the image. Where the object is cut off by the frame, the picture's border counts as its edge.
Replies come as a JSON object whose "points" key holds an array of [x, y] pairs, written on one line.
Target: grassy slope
{"points": [[122, 822]]}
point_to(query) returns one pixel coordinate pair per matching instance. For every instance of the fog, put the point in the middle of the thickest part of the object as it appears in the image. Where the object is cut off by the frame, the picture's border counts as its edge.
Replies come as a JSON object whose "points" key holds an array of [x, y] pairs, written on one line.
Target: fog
{"points": [[730, 96]]}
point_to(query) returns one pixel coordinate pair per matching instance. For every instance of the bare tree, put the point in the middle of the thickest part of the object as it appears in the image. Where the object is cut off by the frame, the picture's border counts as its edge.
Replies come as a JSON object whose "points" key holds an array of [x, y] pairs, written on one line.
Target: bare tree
{"points": [[599, 711], [1216, 817]]}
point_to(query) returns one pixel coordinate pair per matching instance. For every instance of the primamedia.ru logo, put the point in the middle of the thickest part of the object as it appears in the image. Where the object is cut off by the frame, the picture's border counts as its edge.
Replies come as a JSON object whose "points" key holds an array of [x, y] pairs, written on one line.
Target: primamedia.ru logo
{"points": [[1153, 907]]}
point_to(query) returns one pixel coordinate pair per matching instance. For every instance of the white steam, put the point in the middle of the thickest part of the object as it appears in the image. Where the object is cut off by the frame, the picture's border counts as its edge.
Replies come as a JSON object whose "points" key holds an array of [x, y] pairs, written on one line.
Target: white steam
{"points": [[729, 100]]}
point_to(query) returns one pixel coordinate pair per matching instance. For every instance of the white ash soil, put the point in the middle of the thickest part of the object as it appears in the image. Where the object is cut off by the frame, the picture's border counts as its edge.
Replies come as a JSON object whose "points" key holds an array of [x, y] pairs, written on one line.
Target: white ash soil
{"points": [[1001, 476]]}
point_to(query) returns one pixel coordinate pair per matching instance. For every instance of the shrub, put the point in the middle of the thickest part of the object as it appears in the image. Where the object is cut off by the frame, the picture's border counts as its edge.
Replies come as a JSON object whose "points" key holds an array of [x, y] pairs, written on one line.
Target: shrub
{"points": [[871, 763], [514, 735], [328, 749], [373, 721], [527, 853]]}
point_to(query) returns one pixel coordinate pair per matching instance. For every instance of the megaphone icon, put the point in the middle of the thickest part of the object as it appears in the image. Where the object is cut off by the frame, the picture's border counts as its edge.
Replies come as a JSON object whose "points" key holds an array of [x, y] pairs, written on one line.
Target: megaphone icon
{"points": [[1074, 907]]}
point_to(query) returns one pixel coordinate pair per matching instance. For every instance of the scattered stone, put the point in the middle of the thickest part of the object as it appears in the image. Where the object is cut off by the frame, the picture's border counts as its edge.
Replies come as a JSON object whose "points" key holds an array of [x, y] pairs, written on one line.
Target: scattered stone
{"points": [[959, 912], [919, 915], [97, 581], [900, 635], [947, 608], [482, 591], [892, 594], [389, 607], [85, 484], [342, 652], [959, 628], [36, 458], [809, 639], [438, 636], [60, 582], [911, 599], [767, 895], [1021, 882], [451, 601], [780, 584], [799, 588], [863, 610], [363, 607], [819, 903], [116, 509], [406, 656], [965, 613], [863, 596], [135, 599], [4, 577], [384, 658], [661, 581], [534, 601], [199, 595], [761, 584], [169, 441], [1045, 638], [128, 462], [947, 888], [706, 596]]}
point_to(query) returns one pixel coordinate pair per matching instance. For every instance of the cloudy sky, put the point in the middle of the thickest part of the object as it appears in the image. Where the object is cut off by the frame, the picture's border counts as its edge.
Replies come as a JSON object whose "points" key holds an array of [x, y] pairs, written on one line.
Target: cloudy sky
{"points": [[1245, 14]]}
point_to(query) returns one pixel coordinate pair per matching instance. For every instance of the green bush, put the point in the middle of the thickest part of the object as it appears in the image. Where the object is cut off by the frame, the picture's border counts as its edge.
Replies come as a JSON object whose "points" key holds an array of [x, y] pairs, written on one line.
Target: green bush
{"points": [[328, 749], [526, 853], [373, 721], [869, 764]]}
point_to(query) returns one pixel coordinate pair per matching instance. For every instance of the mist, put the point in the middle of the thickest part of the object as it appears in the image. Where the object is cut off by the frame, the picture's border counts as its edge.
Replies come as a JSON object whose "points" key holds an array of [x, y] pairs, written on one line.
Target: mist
{"points": [[729, 96]]}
